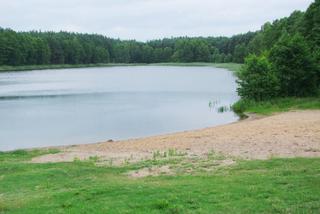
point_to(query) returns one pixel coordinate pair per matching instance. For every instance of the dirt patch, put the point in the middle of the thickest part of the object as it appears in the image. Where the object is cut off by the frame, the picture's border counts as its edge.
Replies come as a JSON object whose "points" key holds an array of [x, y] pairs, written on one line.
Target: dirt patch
{"points": [[182, 165], [152, 171], [290, 134]]}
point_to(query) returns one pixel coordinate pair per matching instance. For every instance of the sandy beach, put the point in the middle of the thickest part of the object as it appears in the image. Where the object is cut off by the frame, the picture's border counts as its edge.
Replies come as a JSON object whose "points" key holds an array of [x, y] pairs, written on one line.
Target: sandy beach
{"points": [[289, 134]]}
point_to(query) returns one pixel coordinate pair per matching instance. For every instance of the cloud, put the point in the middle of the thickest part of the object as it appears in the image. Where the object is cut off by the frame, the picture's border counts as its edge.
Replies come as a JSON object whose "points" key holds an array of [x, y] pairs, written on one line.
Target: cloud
{"points": [[145, 19]]}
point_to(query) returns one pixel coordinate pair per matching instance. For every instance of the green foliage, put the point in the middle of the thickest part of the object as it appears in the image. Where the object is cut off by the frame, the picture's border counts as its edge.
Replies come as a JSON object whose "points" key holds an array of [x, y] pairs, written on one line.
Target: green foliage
{"points": [[39, 48], [191, 50], [240, 52], [311, 25], [276, 105], [257, 80], [292, 69], [295, 66], [271, 33]]}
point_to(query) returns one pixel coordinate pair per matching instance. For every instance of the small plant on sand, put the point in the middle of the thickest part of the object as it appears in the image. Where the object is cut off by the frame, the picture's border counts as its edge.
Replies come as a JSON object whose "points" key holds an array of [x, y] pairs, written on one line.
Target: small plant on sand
{"points": [[94, 159], [212, 155], [167, 154], [172, 152], [156, 154], [76, 160], [126, 161], [175, 152], [111, 162]]}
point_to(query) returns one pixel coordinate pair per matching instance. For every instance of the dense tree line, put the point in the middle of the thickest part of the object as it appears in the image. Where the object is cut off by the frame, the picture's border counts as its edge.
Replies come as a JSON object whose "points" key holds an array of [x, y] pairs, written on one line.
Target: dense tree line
{"points": [[30, 48], [284, 58]]}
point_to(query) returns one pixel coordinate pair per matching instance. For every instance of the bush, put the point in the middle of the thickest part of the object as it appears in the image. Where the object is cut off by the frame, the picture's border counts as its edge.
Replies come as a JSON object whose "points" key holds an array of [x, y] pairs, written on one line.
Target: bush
{"points": [[257, 80], [275, 105], [295, 67]]}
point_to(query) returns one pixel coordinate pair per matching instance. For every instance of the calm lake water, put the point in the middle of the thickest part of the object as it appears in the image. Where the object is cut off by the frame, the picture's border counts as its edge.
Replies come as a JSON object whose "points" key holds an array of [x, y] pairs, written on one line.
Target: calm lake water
{"points": [[88, 105]]}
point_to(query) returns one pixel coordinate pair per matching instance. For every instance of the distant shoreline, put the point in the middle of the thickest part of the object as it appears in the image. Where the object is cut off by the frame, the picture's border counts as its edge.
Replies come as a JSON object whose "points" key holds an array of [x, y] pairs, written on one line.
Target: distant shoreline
{"points": [[230, 66]]}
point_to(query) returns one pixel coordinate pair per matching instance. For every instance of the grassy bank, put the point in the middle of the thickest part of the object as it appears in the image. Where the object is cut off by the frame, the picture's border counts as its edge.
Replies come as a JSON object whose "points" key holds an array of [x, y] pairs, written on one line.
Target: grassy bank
{"points": [[276, 105], [230, 66], [273, 186], [62, 66]]}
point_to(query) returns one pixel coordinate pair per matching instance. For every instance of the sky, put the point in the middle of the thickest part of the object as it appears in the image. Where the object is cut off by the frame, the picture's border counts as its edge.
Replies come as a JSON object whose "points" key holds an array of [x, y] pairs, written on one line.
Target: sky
{"points": [[145, 19]]}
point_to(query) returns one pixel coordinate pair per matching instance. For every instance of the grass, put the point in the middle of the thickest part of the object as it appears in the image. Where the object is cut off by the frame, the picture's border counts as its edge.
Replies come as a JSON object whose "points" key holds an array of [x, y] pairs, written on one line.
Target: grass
{"points": [[276, 105], [4, 68], [272, 186], [231, 66], [23, 155]]}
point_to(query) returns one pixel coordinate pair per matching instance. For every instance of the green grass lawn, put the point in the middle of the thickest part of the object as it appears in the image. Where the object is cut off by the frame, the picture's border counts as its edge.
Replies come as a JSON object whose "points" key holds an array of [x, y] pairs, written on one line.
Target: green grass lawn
{"points": [[277, 105], [272, 186]]}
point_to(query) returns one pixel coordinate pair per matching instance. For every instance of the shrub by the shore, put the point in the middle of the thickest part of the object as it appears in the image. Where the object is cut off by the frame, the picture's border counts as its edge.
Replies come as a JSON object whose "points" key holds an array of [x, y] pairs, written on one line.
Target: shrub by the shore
{"points": [[276, 105]]}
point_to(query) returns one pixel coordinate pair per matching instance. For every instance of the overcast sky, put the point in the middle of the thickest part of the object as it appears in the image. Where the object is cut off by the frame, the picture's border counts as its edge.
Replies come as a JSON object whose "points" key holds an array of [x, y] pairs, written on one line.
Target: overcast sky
{"points": [[145, 19]]}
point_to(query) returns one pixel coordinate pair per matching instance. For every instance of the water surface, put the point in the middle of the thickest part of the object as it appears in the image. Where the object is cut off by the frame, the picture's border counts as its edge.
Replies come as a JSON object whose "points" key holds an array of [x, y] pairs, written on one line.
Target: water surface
{"points": [[88, 105]]}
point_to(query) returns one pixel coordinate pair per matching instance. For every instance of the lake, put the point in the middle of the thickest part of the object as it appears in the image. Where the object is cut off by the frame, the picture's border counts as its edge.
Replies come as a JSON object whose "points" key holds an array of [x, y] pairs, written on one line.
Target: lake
{"points": [[88, 105]]}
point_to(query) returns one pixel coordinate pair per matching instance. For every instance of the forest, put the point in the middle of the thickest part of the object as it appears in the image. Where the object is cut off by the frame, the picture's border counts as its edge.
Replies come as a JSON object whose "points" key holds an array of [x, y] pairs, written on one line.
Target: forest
{"points": [[287, 64], [39, 48], [44, 48]]}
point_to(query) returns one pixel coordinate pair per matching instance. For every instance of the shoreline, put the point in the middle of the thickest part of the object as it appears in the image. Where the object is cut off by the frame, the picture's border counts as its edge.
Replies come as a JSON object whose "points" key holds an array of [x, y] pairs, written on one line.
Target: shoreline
{"points": [[288, 134], [234, 67], [246, 117]]}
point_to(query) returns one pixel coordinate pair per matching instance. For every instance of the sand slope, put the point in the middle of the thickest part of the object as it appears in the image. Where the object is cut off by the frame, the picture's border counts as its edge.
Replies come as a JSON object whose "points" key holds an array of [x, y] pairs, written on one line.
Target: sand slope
{"points": [[290, 134]]}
